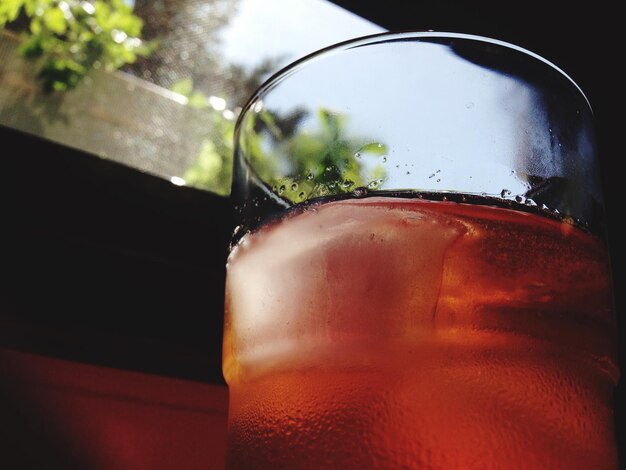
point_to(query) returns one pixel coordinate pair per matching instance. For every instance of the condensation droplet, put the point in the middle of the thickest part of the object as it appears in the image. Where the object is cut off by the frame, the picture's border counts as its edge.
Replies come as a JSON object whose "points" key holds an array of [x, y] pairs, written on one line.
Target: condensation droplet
{"points": [[302, 195], [505, 193], [384, 158], [281, 189], [309, 176], [294, 186], [530, 202], [360, 192], [470, 105], [357, 155], [375, 183]]}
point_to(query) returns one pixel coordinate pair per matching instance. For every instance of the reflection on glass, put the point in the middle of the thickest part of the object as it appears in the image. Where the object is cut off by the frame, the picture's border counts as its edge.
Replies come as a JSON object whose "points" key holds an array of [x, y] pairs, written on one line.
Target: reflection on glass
{"points": [[304, 165]]}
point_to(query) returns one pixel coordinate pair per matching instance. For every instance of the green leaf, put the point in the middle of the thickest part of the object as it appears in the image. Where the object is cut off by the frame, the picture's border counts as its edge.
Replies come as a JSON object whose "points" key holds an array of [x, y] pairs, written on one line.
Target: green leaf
{"points": [[198, 100], [31, 6], [36, 26], [54, 20], [183, 87], [60, 75], [375, 148], [92, 33], [102, 13], [126, 21], [31, 48], [9, 10], [212, 169]]}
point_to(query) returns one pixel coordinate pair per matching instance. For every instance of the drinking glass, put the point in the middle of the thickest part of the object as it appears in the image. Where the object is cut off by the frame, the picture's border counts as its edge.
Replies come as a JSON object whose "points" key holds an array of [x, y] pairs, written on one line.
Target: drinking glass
{"points": [[419, 277]]}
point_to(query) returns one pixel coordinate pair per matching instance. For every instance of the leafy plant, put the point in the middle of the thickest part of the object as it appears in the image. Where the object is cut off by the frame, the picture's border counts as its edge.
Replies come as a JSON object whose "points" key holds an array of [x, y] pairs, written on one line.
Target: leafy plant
{"points": [[295, 165], [323, 163], [213, 166], [69, 38]]}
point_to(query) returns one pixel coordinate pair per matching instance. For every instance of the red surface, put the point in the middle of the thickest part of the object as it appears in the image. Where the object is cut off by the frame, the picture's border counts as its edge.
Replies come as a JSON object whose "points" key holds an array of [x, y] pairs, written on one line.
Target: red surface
{"points": [[64, 414]]}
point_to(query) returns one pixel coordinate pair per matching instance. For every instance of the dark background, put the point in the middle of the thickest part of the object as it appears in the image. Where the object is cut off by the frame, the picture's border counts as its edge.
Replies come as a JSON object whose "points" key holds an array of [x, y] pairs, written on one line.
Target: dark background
{"points": [[103, 264]]}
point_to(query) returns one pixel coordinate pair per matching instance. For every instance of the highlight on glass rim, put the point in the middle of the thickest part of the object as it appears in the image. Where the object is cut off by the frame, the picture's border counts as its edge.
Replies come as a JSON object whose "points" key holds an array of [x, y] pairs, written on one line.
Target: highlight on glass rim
{"points": [[419, 275]]}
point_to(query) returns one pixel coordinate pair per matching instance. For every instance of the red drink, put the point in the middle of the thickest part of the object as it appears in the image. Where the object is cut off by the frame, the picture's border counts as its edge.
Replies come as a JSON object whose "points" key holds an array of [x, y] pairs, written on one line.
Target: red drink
{"points": [[403, 333]]}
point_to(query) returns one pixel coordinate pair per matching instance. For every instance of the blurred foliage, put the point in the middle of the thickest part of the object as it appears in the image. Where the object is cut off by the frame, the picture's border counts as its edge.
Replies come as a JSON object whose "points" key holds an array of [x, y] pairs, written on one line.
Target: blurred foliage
{"points": [[213, 167], [324, 163], [69, 38], [295, 165]]}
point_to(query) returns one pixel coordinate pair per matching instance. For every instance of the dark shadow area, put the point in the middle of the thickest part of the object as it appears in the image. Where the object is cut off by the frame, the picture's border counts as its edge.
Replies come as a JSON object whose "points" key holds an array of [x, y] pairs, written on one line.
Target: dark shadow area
{"points": [[28, 439], [104, 264]]}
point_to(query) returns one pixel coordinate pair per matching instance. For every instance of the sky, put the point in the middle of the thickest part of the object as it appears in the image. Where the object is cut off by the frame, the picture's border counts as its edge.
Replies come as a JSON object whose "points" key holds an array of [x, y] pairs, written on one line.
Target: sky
{"points": [[298, 27]]}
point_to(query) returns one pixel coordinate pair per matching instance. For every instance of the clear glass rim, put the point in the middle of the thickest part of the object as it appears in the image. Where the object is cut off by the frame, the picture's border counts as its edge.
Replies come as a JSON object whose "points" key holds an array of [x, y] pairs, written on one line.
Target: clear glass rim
{"points": [[576, 159], [390, 36]]}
